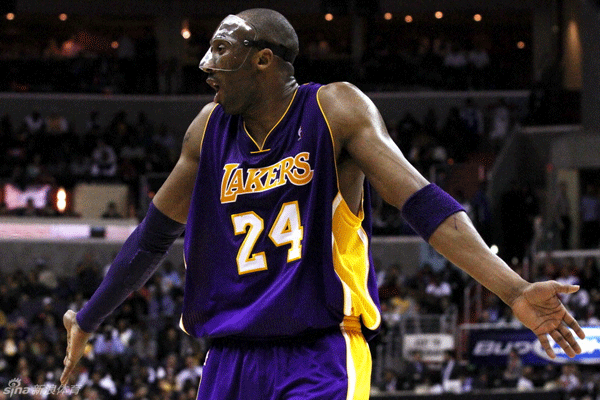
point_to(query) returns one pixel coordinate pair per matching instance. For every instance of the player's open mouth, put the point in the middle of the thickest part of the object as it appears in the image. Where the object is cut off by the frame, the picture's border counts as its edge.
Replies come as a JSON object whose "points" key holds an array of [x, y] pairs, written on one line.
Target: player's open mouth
{"points": [[212, 83]]}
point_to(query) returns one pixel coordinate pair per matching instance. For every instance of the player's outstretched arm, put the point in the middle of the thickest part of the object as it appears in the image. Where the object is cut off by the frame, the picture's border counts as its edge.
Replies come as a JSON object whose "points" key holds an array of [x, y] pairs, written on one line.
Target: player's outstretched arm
{"points": [[143, 251], [536, 305], [358, 128]]}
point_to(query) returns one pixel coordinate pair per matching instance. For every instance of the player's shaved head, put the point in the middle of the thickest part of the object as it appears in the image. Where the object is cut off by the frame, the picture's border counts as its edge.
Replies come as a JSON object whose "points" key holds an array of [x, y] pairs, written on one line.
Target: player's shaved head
{"points": [[272, 26]]}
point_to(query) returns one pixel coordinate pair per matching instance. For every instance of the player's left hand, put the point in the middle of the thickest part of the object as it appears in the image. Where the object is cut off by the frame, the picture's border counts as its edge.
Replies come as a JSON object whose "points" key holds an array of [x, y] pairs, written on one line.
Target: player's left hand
{"points": [[540, 309], [76, 341]]}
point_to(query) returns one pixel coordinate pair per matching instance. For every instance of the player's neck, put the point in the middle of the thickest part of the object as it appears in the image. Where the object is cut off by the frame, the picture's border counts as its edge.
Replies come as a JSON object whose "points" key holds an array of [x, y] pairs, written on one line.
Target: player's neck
{"points": [[261, 119]]}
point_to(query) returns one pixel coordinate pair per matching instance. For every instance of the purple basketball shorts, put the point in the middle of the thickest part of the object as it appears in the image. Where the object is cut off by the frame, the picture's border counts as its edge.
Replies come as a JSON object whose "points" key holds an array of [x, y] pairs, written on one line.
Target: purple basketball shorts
{"points": [[335, 365]]}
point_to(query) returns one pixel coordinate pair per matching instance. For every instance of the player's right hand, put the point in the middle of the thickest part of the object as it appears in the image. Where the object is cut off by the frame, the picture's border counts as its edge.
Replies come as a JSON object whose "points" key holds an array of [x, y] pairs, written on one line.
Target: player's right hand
{"points": [[76, 341]]}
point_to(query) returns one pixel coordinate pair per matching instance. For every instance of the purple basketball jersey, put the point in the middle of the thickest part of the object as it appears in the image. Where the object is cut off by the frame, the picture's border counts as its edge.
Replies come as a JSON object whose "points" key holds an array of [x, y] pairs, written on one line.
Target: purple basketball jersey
{"points": [[271, 248]]}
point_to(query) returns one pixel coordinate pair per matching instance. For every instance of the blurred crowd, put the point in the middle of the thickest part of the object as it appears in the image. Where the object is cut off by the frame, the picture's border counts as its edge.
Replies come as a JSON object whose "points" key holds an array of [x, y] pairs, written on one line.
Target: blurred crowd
{"points": [[108, 61], [436, 144], [45, 149], [139, 352], [408, 298]]}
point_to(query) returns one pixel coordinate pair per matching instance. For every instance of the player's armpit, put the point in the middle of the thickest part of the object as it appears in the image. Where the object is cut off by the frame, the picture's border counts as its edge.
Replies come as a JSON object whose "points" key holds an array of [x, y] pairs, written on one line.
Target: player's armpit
{"points": [[358, 128], [173, 198]]}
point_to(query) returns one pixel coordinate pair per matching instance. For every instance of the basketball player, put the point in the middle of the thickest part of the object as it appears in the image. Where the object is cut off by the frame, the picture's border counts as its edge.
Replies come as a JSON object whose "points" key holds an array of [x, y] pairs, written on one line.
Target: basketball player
{"points": [[270, 187]]}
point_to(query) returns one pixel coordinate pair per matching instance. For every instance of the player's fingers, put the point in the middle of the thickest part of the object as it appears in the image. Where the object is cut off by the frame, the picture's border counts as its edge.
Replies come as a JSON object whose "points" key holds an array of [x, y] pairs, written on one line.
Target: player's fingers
{"points": [[562, 342], [546, 345], [566, 333], [560, 288], [64, 378], [573, 324]]}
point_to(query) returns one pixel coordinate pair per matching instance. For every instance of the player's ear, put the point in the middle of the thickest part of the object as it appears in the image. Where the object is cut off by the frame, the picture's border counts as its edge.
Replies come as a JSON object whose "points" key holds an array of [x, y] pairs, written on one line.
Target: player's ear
{"points": [[265, 58]]}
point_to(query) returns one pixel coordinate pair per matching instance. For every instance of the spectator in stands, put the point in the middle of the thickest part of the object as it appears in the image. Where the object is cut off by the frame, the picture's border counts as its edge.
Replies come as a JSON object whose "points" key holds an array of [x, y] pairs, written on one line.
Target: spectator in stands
{"points": [[493, 308], [170, 342], [56, 124], [459, 195], [590, 217], [513, 217], [482, 213], [561, 211], [569, 379], [30, 210], [189, 374], [171, 278], [454, 135], [436, 291], [449, 373], [46, 276], [88, 275], [390, 381], [111, 211], [478, 64], [482, 380], [406, 129], [390, 286], [108, 343], [455, 64], [472, 119], [104, 160], [500, 124], [416, 371], [126, 55], [513, 370], [145, 347], [590, 277], [525, 382], [80, 166], [34, 123], [119, 130]]}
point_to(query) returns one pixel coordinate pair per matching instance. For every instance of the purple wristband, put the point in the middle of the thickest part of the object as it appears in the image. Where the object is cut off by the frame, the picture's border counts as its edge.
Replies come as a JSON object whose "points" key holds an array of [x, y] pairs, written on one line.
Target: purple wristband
{"points": [[427, 208], [138, 259]]}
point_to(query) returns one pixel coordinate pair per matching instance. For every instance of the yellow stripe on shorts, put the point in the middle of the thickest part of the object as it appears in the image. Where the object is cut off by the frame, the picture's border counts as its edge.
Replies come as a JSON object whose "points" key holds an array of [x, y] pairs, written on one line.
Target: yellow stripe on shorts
{"points": [[358, 360]]}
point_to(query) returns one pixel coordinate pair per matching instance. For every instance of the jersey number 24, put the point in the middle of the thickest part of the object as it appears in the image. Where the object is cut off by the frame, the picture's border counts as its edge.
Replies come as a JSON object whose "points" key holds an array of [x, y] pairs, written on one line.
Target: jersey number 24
{"points": [[287, 229]]}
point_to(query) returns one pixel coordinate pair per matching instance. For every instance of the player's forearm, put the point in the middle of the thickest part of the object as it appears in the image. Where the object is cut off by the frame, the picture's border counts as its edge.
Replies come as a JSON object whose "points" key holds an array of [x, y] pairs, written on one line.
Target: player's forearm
{"points": [[136, 262], [458, 241]]}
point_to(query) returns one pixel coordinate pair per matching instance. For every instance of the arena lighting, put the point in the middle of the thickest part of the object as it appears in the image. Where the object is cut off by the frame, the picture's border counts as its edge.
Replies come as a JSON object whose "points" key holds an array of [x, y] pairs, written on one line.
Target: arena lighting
{"points": [[439, 14], [387, 16], [328, 17], [521, 44], [61, 200], [494, 249], [63, 17], [477, 17], [185, 29], [408, 19], [10, 16], [114, 45]]}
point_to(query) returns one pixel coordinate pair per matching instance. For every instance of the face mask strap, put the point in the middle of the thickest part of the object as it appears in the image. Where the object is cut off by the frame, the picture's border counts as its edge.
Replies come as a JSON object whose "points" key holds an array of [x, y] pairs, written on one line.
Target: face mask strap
{"points": [[277, 49]]}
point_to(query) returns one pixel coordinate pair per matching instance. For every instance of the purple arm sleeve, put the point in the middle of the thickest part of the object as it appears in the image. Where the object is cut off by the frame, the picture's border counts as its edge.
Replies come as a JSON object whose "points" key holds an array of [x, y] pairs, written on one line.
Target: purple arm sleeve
{"points": [[137, 260], [427, 208]]}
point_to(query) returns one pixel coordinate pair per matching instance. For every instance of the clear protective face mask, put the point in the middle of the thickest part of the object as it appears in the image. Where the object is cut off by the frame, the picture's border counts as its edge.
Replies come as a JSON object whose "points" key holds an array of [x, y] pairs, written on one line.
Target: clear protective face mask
{"points": [[229, 47]]}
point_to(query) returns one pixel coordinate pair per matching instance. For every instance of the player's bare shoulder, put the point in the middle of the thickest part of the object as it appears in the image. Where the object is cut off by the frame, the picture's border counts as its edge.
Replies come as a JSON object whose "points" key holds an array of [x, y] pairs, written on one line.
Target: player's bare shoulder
{"points": [[346, 108], [192, 141]]}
